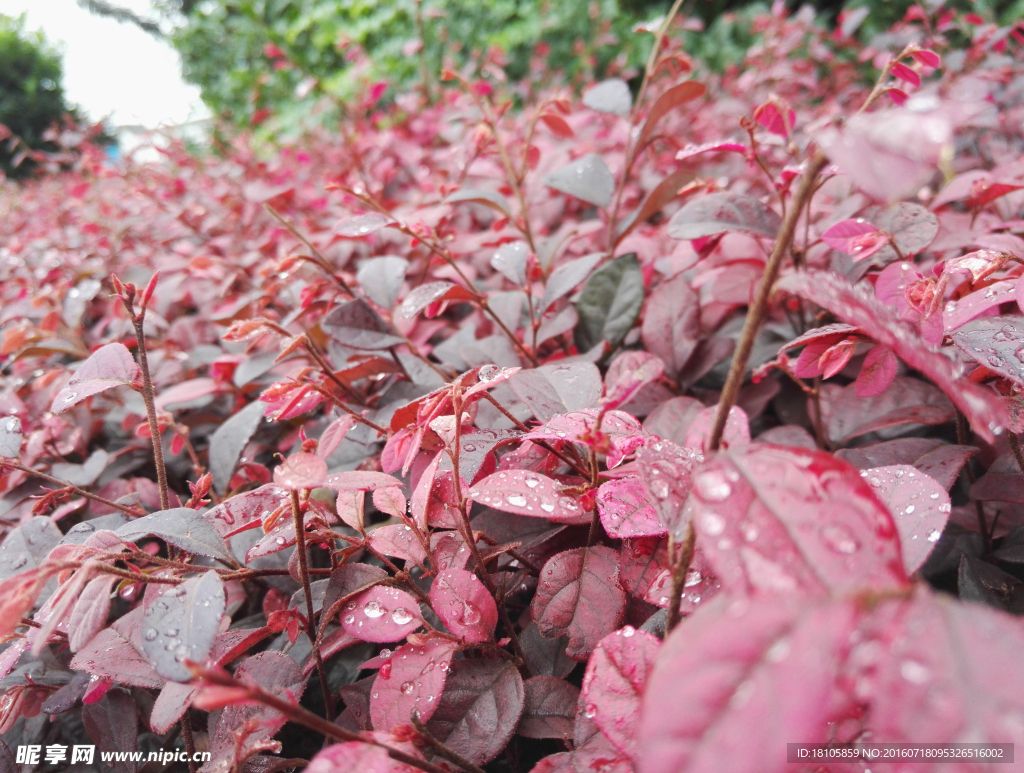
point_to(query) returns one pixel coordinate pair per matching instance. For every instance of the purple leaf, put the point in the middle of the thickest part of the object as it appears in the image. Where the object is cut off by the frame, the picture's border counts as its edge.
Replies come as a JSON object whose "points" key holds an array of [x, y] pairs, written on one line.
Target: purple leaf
{"points": [[997, 343], [246, 510], [381, 279], [550, 708], [665, 470], [877, 372], [90, 611], [855, 237], [109, 366], [397, 540], [977, 303], [905, 401], [355, 324], [356, 756], [182, 527], [671, 326], [558, 388], [113, 724], [579, 595]]}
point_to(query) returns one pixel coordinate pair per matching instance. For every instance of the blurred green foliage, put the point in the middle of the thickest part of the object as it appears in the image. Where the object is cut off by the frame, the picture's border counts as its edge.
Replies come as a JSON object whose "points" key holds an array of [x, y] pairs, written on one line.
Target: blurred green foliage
{"points": [[31, 94]]}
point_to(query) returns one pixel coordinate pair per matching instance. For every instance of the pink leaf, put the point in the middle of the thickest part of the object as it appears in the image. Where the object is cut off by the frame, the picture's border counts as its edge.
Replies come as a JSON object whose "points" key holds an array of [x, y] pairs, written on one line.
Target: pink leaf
{"points": [[109, 366], [919, 505], [90, 612], [464, 605], [775, 120], [528, 493], [665, 470], [855, 306], [624, 431], [614, 684], [977, 303], [996, 343], [855, 237], [579, 595], [550, 710], [397, 540], [879, 369], [390, 501], [627, 374], [731, 665], [774, 520], [671, 325], [301, 471], [246, 510], [186, 393], [927, 57], [414, 678], [334, 434], [736, 434], [357, 226], [626, 511], [709, 147], [361, 480], [905, 74], [381, 615], [356, 756], [906, 400]]}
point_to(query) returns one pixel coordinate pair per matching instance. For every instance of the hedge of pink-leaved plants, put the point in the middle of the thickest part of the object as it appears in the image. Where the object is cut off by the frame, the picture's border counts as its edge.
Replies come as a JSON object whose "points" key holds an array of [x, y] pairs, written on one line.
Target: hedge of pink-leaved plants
{"points": [[649, 431]]}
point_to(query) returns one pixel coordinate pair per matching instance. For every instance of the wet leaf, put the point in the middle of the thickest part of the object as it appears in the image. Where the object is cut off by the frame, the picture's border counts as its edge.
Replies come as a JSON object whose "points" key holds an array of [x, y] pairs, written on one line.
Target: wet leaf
{"points": [[357, 325], [587, 178], [671, 327], [911, 226], [610, 96], [511, 260], [490, 199], [558, 388], [25, 547], [550, 708], [230, 439], [356, 755], [566, 277], [579, 595], [10, 437], [182, 527], [719, 213], [464, 605], [995, 342], [904, 401], [415, 680], [181, 624], [381, 615], [108, 367], [89, 614], [246, 510], [626, 511], [528, 493], [381, 279], [357, 226], [666, 474]]}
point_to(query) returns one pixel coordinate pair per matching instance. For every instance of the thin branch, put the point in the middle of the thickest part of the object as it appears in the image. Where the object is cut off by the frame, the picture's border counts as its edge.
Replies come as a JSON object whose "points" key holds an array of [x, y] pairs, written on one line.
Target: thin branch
{"points": [[134, 512], [756, 313], [679, 572]]}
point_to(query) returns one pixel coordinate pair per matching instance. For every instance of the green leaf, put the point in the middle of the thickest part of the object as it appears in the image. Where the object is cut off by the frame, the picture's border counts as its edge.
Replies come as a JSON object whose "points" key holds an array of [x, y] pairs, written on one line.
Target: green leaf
{"points": [[610, 303]]}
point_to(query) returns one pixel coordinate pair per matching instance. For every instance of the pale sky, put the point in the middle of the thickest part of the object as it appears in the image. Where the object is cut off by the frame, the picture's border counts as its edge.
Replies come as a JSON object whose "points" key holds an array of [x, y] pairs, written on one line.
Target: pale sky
{"points": [[113, 70]]}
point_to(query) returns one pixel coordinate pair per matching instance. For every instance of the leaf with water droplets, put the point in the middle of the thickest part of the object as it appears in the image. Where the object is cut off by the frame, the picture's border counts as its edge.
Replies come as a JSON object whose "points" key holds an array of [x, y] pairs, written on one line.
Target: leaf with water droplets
{"points": [[623, 431], [610, 96], [413, 679], [301, 471], [720, 213], [491, 199], [558, 388], [181, 624], [528, 493], [732, 664], [108, 367], [26, 546], [180, 526], [353, 323], [357, 226], [10, 437], [381, 279], [977, 303], [614, 682], [609, 303], [858, 306], [858, 238], [361, 480], [586, 178], [381, 615], [919, 505], [464, 605], [246, 510], [431, 293], [396, 540], [911, 226], [997, 343], [550, 708], [665, 471], [110, 655], [510, 259], [481, 705], [579, 594], [229, 440], [774, 520], [625, 509]]}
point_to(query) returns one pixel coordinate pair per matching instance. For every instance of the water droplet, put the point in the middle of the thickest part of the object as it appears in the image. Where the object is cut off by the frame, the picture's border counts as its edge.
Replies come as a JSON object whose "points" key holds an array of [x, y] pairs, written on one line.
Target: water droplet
{"points": [[660, 488], [70, 396], [469, 448], [915, 672], [568, 504], [171, 632], [712, 523], [350, 606], [385, 670], [934, 495], [933, 535], [628, 631], [532, 482], [401, 616], [712, 486], [547, 507], [590, 711], [407, 687], [693, 577], [839, 538], [778, 651], [374, 610], [150, 634], [349, 619], [909, 510], [516, 500]]}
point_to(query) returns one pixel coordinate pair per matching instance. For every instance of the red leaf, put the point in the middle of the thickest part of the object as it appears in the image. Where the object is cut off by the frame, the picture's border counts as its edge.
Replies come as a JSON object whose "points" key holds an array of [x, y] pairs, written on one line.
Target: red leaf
{"points": [[774, 120], [677, 95], [919, 505], [671, 325], [774, 520], [855, 306], [984, 192], [624, 432], [927, 57], [626, 511], [109, 655], [464, 605], [398, 541], [904, 401], [415, 681], [381, 615], [579, 595], [353, 756], [109, 366], [627, 374], [977, 303], [614, 684], [528, 493], [334, 434], [905, 74], [90, 612], [558, 125]]}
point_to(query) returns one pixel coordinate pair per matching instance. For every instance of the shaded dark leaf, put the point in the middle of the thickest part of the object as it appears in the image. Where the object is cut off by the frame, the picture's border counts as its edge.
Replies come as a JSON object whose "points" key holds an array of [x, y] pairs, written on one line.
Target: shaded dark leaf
{"points": [[610, 302], [230, 439], [355, 324], [723, 212]]}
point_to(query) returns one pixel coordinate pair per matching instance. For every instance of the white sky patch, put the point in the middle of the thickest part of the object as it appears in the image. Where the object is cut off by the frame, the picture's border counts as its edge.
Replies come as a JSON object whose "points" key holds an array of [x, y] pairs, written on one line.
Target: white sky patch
{"points": [[112, 70]]}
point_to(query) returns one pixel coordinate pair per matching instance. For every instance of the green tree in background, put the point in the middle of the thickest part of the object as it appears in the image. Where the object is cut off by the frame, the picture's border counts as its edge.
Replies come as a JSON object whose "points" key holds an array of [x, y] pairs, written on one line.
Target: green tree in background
{"points": [[31, 94]]}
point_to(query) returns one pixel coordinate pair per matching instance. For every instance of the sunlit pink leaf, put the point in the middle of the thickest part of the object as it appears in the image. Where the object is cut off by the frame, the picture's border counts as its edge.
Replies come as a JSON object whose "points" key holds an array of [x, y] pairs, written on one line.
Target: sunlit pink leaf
{"points": [[334, 434], [877, 372], [361, 480], [855, 237], [109, 366], [977, 303], [627, 374], [626, 511], [905, 74], [927, 57], [464, 605], [665, 470], [775, 120], [397, 540], [356, 756], [381, 615]]}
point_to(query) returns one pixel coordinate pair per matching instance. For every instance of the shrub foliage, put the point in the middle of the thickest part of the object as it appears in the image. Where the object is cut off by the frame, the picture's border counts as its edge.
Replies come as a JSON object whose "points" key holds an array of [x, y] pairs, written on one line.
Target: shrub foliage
{"points": [[626, 434]]}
